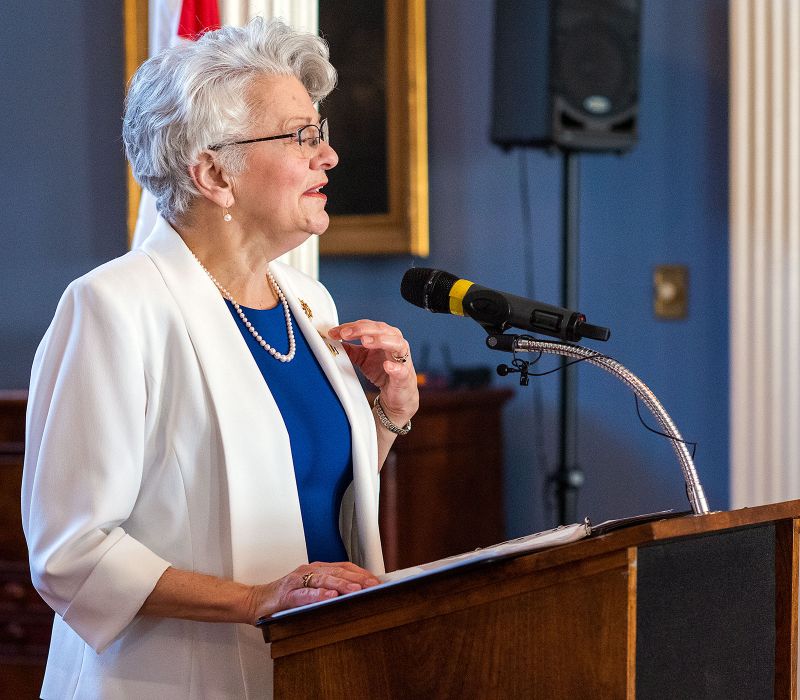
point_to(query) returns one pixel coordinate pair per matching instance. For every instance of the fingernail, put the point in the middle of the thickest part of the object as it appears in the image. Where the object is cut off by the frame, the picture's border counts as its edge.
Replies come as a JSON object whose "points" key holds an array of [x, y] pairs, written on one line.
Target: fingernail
{"points": [[353, 587], [346, 333], [330, 594], [372, 582], [367, 340]]}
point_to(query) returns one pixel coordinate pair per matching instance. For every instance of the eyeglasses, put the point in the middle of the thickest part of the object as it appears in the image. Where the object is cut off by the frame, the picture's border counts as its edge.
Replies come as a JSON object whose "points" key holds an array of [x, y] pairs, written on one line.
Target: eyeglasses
{"points": [[308, 137]]}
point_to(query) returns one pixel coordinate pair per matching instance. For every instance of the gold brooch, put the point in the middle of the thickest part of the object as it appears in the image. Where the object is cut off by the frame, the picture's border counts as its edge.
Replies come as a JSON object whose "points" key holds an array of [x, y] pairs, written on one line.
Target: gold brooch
{"points": [[306, 309], [332, 348]]}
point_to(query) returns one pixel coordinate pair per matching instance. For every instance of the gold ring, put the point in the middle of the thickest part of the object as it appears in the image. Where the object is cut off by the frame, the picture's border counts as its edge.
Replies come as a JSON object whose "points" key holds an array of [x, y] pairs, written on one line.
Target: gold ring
{"points": [[307, 580], [401, 358]]}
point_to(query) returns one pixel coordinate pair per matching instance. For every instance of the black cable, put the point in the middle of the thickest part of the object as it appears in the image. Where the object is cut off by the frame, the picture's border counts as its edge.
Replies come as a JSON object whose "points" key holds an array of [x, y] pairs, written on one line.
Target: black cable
{"points": [[530, 290], [597, 355], [561, 366], [527, 224], [688, 443]]}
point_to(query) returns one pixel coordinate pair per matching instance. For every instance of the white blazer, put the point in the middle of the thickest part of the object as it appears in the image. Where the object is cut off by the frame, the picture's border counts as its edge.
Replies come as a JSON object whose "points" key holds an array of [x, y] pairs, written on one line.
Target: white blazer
{"points": [[152, 441]]}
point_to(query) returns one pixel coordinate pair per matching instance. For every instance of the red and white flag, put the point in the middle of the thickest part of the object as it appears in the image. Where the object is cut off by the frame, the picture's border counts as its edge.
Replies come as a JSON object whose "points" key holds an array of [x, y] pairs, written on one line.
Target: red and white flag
{"points": [[171, 22]]}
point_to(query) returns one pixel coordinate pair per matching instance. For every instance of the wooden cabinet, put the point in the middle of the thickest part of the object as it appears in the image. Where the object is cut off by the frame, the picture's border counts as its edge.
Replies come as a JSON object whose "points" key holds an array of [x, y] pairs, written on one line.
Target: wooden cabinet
{"points": [[442, 486], [25, 620]]}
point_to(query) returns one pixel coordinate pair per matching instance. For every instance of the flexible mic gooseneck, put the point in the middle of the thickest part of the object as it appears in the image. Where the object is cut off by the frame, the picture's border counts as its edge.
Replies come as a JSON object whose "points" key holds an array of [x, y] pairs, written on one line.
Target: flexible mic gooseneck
{"points": [[443, 293]]}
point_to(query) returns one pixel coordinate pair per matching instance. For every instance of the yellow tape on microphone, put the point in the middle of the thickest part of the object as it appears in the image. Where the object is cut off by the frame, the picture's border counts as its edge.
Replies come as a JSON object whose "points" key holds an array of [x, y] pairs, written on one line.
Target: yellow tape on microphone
{"points": [[457, 293]]}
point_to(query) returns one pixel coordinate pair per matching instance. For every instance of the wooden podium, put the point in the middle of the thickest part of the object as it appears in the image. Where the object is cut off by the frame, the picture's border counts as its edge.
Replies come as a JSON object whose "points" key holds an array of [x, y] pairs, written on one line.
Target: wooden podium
{"points": [[689, 607]]}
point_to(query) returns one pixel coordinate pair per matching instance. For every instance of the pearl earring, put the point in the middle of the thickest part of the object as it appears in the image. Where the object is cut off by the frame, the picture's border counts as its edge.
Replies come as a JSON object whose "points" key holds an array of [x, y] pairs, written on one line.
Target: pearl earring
{"points": [[226, 216]]}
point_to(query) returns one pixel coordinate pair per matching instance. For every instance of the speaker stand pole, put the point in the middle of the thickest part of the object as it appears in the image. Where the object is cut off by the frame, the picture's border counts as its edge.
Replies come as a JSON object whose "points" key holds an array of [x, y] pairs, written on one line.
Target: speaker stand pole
{"points": [[568, 478]]}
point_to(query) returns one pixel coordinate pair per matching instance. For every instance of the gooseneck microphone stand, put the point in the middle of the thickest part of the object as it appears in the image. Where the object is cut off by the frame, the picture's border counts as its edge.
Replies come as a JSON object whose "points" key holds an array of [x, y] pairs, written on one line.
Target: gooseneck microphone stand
{"points": [[515, 343]]}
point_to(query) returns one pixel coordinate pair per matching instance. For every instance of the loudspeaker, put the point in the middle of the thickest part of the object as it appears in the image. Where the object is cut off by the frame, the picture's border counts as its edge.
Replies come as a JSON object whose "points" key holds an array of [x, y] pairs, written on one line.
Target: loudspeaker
{"points": [[566, 74]]}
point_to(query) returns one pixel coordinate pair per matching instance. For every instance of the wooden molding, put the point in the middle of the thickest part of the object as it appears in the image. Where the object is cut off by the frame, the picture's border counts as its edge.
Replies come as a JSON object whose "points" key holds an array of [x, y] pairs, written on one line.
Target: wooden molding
{"points": [[135, 19]]}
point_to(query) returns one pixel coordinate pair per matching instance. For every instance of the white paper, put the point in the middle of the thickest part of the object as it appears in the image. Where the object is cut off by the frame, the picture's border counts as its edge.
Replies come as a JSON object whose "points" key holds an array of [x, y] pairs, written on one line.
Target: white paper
{"points": [[563, 534], [529, 543]]}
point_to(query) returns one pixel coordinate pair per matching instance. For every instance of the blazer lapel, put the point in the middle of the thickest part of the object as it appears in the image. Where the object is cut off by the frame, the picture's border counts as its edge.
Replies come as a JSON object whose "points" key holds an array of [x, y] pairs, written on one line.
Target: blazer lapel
{"points": [[264, 505]]}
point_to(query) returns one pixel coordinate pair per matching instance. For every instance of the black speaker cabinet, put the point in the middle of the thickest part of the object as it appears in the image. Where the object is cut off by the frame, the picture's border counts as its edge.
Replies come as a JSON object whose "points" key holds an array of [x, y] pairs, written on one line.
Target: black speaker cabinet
{"points": [[566, 74]]}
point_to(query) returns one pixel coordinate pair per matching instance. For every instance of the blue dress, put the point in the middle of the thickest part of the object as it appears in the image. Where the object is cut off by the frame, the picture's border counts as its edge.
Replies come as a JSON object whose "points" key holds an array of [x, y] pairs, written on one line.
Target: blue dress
{"points": [[318, 428]]}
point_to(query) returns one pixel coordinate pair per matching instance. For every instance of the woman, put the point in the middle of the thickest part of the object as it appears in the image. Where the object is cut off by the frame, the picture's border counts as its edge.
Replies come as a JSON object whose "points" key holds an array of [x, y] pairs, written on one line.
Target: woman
{"points": [[196, 430]]}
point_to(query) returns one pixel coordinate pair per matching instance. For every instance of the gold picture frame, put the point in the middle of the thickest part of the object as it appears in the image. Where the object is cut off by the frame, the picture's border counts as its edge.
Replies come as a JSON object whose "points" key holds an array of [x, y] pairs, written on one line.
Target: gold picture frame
{"points": [[403, 229]]}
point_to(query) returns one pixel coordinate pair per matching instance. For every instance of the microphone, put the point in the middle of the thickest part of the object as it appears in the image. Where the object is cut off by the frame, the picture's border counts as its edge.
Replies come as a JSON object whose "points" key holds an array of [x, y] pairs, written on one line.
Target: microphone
{"points": [[442, 293]]}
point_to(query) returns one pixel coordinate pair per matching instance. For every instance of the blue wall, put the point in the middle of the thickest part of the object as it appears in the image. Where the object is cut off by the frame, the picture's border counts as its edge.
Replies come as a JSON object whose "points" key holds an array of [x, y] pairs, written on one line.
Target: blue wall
{"points": [[63, 197], [64, 212], [665, 202]]}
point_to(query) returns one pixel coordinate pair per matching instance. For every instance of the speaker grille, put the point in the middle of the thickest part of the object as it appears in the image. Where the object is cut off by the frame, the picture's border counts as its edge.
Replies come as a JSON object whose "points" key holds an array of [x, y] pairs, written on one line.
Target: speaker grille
{"points": [[706, 616], [595, 56], [566, 73]]}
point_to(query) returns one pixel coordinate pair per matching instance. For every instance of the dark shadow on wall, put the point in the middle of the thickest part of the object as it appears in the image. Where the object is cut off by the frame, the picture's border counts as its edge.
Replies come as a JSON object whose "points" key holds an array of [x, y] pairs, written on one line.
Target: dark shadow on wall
{"points": [[103, 65]]}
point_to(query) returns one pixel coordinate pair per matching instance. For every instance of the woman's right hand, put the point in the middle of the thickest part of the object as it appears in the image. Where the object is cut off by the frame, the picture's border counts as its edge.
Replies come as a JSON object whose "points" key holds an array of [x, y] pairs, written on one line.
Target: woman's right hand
{"points": [[309, 583]]}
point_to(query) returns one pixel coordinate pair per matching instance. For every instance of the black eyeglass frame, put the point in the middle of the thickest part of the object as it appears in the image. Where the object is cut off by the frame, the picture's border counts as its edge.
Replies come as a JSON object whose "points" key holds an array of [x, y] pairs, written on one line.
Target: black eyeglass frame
{"points": [[321, 130]]}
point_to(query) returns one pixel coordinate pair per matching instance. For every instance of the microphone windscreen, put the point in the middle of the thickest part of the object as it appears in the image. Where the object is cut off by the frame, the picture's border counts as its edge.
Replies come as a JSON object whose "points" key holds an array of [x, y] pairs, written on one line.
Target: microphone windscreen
{"points": [[427, 288]]}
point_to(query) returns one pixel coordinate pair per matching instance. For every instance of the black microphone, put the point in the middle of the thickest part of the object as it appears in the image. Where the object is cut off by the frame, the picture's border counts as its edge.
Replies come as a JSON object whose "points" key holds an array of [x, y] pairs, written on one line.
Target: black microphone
{"points": [[443, 293]]}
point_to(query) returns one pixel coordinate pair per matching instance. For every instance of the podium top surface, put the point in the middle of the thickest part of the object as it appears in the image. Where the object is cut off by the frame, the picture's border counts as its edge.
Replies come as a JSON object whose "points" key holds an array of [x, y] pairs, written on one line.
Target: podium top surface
{"points": [[376, 606]]}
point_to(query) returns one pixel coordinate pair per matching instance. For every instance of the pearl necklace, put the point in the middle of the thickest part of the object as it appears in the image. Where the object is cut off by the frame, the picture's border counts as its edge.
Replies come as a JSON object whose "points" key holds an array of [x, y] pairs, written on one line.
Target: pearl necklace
{"points": [[287, 314]]}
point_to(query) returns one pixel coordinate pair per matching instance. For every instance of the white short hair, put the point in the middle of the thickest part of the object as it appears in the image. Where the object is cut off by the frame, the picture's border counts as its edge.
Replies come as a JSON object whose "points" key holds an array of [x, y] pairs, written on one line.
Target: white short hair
{"points": [[192, 96]]}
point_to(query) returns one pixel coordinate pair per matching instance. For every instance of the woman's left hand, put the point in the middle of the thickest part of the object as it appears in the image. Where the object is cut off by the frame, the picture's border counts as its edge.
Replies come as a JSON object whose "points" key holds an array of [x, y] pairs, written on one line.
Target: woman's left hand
{"points": [[385, 359]]}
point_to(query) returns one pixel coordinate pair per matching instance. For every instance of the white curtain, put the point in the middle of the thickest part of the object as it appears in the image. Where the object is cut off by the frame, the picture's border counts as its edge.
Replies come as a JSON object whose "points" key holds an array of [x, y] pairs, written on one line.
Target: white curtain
{"points": [[300, 14], [765, 251]]}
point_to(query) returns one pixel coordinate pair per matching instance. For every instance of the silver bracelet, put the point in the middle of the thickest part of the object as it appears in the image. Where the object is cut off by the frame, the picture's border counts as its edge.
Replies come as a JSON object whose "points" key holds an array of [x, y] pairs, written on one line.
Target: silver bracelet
{"points": [[385, 422]]}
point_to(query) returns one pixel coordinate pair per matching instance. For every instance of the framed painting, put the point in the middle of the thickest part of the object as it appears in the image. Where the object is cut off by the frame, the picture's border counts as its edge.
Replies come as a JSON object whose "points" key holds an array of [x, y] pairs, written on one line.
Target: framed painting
{"points": [[378, 194]]}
